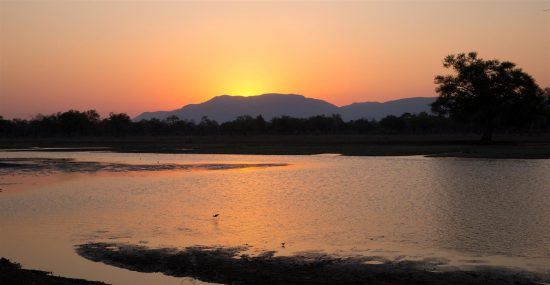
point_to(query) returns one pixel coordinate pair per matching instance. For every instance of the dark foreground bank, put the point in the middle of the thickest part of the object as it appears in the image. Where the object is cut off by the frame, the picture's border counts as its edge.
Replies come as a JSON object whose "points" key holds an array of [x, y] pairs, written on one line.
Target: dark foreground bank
{"points": [[12, 273], [533, 146], [230, 266]]}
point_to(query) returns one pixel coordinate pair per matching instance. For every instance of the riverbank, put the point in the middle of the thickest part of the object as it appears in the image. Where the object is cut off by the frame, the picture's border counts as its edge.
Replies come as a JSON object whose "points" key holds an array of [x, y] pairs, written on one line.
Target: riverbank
{"points": [[505, 146], [13, 274]]}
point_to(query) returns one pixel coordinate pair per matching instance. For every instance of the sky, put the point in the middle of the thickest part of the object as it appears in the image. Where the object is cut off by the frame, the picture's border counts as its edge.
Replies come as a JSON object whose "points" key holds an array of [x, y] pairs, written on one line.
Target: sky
{"points": [[122, 56]]}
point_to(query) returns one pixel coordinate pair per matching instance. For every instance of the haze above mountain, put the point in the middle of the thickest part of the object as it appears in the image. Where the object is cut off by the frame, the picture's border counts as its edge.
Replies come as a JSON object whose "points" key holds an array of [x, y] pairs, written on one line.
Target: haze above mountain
{"points": [[225, 108]]}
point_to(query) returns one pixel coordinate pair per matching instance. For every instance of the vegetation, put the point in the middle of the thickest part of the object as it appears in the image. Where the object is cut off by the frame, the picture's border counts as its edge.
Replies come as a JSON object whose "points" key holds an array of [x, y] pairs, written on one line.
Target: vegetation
{"points": [[489, 93], [89, 124]]}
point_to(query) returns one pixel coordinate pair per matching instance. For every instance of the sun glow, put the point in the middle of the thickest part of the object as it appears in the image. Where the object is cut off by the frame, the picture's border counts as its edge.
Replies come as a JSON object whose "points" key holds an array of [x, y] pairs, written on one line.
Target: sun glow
{"points": [[246, 83], [249, 89], [125, 57]]}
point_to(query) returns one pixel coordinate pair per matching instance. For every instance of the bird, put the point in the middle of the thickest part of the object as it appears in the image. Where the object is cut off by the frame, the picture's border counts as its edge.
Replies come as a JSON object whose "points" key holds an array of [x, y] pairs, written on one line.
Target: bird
{"points": [[282, 244], [215, 215]]}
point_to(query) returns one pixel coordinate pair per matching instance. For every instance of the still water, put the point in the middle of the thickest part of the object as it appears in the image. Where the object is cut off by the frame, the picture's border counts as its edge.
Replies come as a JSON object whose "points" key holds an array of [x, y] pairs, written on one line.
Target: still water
{"points": [[465, 212]]}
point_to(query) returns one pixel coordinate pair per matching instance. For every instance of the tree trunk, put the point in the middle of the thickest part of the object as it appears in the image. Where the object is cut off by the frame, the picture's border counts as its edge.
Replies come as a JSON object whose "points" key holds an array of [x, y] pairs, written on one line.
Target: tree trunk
{"points": [[488, 134]]}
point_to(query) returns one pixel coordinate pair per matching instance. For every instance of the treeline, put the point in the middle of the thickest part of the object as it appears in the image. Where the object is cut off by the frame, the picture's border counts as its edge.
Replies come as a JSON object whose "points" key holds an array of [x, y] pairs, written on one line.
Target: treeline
{"points": [[88, 123]]}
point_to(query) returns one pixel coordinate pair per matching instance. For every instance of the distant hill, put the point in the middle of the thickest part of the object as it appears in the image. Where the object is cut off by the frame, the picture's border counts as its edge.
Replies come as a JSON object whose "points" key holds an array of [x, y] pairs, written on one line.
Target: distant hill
{"points": [[377, 110], [225, 108]]}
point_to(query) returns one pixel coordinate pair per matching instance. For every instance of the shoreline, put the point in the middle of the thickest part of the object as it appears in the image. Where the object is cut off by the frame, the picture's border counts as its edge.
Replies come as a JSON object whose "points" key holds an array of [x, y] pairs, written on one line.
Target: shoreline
{"points": [[13, 273], [467, 146]]}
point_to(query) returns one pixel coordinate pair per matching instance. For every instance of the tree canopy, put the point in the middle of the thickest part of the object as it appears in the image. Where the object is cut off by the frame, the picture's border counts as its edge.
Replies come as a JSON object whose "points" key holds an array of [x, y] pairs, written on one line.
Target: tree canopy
{"points": [[489, 93]]}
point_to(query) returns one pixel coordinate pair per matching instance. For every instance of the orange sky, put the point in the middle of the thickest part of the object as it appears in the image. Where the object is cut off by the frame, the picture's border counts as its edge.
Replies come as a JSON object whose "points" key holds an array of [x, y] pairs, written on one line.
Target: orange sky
{"points": [[145, 56]]}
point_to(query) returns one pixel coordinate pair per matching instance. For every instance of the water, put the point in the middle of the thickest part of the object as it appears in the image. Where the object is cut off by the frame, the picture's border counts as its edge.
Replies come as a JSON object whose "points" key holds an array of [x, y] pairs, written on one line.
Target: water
{"points": [[467, 212]]}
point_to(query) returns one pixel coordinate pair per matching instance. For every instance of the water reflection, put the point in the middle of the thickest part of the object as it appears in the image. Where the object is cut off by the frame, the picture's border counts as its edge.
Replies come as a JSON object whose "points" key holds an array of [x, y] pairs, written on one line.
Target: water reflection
{"points": [[493, 207], [406, 207]]}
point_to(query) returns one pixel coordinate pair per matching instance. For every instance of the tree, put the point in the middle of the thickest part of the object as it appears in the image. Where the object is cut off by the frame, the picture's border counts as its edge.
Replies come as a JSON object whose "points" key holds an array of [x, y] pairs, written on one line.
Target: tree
{"points": [[172, 120], [392, 123], [207, 126], [74, 122], [486, 92], [118, 124]]}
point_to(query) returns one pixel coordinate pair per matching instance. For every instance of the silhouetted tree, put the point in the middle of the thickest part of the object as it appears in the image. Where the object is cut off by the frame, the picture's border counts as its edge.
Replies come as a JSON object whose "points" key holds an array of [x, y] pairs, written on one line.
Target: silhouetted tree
{"points": [[152, 127], [392, 123], [486, 91], [287, 125], [207, 126], [5, 126], [172, 120], [118, 124], [244, 125], [176, 126], [76, 123], [362, 126], [544, 122], [261, 124]]}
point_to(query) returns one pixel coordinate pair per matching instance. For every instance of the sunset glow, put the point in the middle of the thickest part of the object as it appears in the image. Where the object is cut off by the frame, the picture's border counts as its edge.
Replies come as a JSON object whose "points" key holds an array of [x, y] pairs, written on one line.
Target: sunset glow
{"points": [[146, 56], [334, 142]]}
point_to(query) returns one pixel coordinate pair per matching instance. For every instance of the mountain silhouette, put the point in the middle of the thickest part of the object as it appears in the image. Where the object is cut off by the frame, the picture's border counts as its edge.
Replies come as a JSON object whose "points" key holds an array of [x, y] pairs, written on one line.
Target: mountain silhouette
{"points": [[377, 110], [225, 108]]}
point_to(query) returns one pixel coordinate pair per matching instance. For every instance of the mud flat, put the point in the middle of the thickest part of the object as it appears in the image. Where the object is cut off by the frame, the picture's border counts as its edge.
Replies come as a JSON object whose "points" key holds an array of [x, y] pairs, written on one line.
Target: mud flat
{"points": [[233, 266], [52, 165]]}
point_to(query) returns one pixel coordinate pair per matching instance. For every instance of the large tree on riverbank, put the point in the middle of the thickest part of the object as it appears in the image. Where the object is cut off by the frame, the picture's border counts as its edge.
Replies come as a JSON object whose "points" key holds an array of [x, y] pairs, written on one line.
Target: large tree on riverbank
{"points": [[487, 92]]}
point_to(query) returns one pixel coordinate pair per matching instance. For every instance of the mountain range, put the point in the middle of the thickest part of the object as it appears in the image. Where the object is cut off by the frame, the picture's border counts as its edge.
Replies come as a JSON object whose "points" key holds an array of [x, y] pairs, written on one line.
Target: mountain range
{"points": [[226, 107]]}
